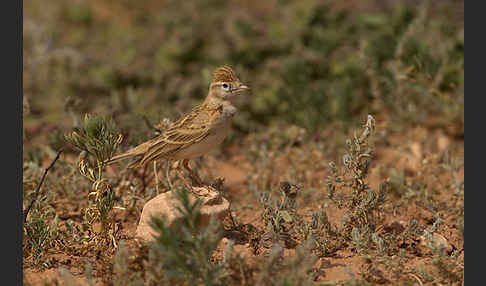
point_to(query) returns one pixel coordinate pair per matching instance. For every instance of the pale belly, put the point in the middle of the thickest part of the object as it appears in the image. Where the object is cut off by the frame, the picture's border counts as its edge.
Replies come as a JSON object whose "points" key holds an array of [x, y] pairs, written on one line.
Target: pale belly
{"points": [[207, 144]]}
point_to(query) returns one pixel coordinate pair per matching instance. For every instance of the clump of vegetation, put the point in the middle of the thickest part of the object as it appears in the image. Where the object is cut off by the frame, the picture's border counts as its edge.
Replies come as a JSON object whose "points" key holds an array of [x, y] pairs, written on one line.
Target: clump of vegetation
{"points": [[347, 189], [362, 226], [280, 216], [341, 64], [183, 255], [39, 234], [180, 254], [97, 140], [295, 270], [183, 252], [361, 201]]}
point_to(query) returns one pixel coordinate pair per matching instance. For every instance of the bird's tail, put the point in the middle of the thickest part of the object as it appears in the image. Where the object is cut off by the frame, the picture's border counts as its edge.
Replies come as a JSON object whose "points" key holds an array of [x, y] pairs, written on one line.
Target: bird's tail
{"points": [[136, 152], [118, 158]]}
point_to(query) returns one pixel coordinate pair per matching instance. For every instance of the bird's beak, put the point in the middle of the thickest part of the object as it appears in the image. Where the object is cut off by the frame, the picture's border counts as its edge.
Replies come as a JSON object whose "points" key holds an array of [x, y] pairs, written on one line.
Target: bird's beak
{"points": [[242, 87]]}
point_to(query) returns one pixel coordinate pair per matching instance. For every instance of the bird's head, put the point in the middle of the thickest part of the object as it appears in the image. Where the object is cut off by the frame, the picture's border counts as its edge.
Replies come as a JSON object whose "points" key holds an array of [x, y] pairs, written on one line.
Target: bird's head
{"points": [[225, 84]]}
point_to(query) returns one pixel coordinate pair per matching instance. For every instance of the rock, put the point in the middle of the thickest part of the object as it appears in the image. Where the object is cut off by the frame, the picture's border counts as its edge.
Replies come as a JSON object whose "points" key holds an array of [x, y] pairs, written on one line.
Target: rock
{"points": [[416, 156], [437, 240], [166, 205], [443, 142]]}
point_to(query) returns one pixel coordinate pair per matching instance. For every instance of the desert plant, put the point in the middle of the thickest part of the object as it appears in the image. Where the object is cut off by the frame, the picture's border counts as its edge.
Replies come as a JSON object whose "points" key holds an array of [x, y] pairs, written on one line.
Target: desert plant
{"points": [[97, 140], [39, 234], [122, 274], [294, 270], [280, 216], [362, 200], [182, 253]]}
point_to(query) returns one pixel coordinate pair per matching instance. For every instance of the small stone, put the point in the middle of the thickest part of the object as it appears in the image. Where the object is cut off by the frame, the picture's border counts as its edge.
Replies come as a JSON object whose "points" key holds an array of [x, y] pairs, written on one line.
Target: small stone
{"points": [[166, 205], [416, 156], [443, 142], [437, 240]]}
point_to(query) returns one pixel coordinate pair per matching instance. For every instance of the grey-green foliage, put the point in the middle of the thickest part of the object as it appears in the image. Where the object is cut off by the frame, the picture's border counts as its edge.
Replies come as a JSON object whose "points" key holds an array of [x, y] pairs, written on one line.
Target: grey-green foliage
{"points": [[39, 233], [183, 252], [97, 137], [122, 274], [446, 266], [98, 140], [279, 215], [363, 200], [307, 62], [291, 270]]}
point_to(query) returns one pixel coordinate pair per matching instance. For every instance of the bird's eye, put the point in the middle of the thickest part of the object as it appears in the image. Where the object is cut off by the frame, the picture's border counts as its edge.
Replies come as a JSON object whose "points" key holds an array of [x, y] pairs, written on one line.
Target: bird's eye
{"points": [[225, 85]]}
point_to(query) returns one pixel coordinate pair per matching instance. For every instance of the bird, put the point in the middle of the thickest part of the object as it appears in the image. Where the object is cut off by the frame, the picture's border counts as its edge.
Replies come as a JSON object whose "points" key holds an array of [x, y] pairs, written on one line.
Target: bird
{"points": [[197, 132]]}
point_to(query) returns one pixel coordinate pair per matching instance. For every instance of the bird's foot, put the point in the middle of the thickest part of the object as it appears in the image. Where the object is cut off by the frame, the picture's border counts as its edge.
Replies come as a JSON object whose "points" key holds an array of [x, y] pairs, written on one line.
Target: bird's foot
{"points": [[196, 180], [200, 191]]}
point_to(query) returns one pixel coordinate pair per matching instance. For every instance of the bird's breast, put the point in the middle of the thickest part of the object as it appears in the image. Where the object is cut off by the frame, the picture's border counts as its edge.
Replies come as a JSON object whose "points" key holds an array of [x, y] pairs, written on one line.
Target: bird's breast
{"points": [[216, 135], [229, 111]]}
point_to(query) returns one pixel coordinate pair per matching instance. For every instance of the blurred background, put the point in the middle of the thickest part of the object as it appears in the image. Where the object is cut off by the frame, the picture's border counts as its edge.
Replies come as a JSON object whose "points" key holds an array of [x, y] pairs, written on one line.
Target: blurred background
{"points": [[310, 63]]}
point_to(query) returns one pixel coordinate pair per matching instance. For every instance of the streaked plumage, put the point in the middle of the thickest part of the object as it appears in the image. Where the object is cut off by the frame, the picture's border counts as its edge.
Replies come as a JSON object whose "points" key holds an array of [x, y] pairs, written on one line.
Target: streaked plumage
{"points": [[197, 132]]}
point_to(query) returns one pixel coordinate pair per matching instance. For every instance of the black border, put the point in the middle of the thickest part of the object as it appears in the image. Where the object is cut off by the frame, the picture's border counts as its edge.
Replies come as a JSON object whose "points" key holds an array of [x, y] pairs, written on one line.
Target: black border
{"points": [[475, 203], [11, 79]]}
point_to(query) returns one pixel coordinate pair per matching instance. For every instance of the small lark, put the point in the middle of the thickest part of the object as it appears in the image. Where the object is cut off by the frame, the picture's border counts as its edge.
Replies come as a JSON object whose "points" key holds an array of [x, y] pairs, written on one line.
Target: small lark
{"points": [[196, 133]]}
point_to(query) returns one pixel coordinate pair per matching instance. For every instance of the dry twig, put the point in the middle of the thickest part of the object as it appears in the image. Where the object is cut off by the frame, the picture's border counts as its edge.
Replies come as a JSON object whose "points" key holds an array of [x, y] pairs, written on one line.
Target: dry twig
{"points": [[36, 194]]}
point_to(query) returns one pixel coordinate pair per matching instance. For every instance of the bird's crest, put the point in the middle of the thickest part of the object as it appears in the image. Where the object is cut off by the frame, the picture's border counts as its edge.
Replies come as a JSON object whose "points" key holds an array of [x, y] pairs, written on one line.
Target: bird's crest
{"points": [[224, 74]]}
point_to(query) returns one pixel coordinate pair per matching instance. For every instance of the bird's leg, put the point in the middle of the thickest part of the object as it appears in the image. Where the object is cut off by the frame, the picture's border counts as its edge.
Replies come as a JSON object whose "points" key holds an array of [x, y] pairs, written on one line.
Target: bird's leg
{"points": [[181, 176], [194, 176], [167, 173], [156, 177]]}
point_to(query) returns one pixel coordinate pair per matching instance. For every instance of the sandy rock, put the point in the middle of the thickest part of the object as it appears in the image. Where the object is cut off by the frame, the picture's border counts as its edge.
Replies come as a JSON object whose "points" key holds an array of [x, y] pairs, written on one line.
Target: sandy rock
{"points": [[443, 142], [416, 156], [437, 240], [166, 205]]}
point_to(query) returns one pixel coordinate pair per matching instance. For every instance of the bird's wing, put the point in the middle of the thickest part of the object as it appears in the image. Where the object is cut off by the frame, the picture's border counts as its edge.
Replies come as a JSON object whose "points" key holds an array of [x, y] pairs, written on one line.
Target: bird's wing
{"points": [[188, 130]]}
